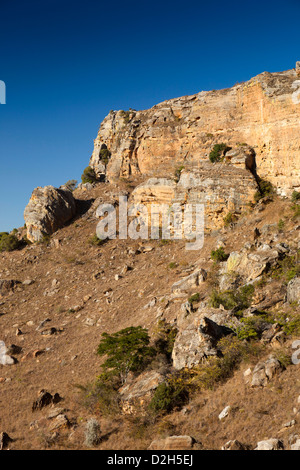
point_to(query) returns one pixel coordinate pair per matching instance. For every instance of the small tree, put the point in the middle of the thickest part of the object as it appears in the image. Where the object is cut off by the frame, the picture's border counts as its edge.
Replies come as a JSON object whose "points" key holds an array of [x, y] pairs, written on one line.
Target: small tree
{"points": [[218, 152], [88, 175], [127, 350]]}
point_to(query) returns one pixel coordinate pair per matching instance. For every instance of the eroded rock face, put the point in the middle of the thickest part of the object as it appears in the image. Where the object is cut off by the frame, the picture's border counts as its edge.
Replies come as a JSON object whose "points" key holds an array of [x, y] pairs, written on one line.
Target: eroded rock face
{"points": [[263, 113], [221, 188], [198, 336], [49, 209]]}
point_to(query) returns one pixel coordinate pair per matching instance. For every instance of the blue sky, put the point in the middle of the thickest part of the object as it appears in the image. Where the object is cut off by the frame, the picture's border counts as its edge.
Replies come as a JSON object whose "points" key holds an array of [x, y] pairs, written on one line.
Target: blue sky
{"points": [[66, 64]]}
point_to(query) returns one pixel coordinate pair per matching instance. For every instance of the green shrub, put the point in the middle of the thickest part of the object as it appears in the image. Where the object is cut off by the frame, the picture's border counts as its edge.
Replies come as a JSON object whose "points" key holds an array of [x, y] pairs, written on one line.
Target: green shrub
{"points": [[239, 299], [88, 175], [286, 268], [194, 298], [9, 242], [102, 396], [127, 351], [295, 196], [105, 155], [169, 395], [165, 335], [265, 189], [280, 225], [172, 265], [95, 241], [296, 210], [177, 173], [218, 151], [292, 327], [219, 255], [228, 219]]}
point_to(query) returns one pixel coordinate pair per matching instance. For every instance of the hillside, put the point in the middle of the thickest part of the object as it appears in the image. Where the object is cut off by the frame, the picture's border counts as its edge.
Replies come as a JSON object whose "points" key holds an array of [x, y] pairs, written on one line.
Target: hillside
{"points": [[223, 319]]}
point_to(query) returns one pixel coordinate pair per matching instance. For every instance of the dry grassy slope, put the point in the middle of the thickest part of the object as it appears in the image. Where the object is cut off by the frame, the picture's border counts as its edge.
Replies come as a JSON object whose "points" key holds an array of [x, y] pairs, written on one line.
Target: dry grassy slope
{"points": [[69, 357]]}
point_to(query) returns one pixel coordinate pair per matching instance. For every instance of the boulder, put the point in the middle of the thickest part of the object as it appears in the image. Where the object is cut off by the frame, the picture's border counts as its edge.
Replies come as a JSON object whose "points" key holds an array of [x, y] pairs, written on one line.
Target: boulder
{"points": [[7, 285], [252, 265], [198, 336], [293, 290], [270, 444], [234, 445], [264, 371], [4, 440], [173, 443], [145, 383], [49, 209], [188, 282], [5, 358]]}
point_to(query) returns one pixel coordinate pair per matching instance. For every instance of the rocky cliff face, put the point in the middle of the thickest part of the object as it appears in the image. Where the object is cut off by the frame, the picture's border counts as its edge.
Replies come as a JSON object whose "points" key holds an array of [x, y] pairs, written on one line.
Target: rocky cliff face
{"points": [[263, 113]]}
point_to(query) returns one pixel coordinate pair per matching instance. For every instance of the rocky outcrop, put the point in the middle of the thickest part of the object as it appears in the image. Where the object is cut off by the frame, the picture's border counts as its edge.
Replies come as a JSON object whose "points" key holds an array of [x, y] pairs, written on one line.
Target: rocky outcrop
{"points": [[250, 265], [198, 336], [263, 112], [264, 371], [49, 209], [7, 285], [221, 188]]}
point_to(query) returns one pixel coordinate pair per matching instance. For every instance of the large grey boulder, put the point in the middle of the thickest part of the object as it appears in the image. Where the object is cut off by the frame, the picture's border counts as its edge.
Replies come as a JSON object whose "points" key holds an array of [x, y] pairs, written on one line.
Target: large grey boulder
{"points": [[49, 209]]}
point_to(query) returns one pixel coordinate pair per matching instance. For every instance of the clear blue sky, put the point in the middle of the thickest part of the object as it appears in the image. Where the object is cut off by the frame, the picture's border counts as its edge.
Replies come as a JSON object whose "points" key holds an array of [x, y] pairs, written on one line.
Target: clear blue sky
{"points": [[67, 63]]}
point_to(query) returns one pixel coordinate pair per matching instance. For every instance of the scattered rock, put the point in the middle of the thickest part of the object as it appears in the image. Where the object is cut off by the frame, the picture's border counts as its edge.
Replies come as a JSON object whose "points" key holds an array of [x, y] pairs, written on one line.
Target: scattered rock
{"points": [[173, 443], [5, 359], [270, 444], [188, 282], [224, 413], [234, 445], [44, 399], [4, 440]]}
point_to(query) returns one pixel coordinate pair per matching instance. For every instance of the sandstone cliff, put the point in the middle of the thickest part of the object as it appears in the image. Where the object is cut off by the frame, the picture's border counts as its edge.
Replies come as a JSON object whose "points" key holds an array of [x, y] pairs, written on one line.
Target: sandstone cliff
{"points": [[263, 112]]}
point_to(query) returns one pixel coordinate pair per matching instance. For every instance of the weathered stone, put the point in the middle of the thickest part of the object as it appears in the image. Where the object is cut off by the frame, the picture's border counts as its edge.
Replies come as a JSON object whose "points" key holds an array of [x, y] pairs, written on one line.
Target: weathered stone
{"points": [[270, 444], [173, 443], [264, 371], [225, 412], [293, 290], [145, 383], [198, 336], [5, 358], [296, 445], [252, 265], [7, 285], [44, 399], [61, 421], [4, 440], [49, 208], [188, 282], [234, 445]]}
